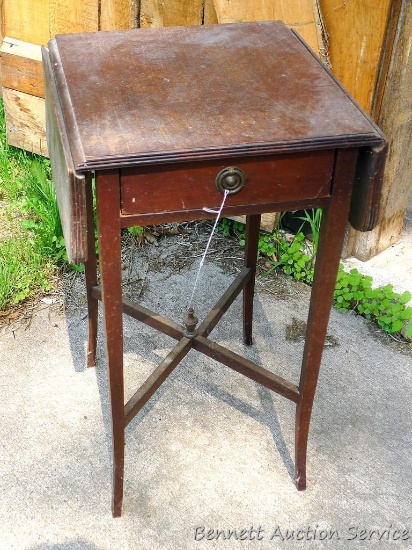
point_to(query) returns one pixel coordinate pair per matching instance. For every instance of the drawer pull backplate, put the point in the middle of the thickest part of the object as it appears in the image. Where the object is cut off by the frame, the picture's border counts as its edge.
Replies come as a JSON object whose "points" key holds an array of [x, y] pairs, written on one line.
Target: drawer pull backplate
{"points": [[230, 179]]}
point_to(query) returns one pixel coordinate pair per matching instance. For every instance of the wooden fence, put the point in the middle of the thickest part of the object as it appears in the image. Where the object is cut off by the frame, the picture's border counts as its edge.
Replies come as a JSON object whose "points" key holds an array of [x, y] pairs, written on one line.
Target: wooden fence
{"points": [[367, 43]]}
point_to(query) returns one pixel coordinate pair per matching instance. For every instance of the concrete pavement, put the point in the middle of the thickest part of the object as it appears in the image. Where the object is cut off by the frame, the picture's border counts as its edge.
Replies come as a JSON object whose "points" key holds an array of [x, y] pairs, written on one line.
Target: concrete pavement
{"points": [[209, 460]]}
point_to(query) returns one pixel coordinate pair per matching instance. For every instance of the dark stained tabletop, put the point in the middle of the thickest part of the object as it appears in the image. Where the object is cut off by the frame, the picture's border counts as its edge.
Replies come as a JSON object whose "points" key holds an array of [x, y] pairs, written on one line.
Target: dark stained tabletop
{"points": [[156, 95]]}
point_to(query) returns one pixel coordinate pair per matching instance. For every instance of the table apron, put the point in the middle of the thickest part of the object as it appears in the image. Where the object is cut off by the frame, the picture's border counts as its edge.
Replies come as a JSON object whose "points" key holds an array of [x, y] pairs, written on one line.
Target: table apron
{"points": [[191, 215], [167, 190]]}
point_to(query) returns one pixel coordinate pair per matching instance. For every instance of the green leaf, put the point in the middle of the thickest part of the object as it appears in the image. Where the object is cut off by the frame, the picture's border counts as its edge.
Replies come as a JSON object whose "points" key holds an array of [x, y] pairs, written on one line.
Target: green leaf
{"points": [[405, 297], [388, 288], [406, 313], [396, 326]]}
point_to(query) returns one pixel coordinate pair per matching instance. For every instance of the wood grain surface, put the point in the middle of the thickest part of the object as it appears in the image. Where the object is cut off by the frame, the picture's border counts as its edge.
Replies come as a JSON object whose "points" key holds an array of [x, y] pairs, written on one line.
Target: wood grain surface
{"points": [[356, 36], [21, 66], [395, 118], [298, 14], [203, 92]]}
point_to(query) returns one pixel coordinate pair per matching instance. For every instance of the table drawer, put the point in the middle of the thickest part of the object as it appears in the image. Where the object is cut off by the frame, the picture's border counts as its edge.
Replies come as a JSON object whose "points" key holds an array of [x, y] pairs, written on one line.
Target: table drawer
{"points": [[192, 186]]}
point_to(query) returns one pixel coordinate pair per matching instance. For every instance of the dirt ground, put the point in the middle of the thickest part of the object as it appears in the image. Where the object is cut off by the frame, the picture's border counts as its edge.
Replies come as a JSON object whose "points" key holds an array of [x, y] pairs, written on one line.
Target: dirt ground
{"points": [[176, 249]]}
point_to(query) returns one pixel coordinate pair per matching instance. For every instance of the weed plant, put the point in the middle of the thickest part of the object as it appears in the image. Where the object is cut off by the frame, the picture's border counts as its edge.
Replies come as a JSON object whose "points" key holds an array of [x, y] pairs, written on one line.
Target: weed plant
{"points": [[387, 308], [294, 258], [353, 291]]}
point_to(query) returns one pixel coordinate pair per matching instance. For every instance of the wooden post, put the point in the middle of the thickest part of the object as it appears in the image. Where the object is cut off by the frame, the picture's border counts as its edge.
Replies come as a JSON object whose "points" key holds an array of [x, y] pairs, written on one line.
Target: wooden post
{"points": [[356, 35], [393, 113]]}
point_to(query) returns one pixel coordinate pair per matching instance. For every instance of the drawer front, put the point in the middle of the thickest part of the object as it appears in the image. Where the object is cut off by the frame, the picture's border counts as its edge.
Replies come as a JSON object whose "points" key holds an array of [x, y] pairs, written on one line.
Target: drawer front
{"points": [[192, 186]]}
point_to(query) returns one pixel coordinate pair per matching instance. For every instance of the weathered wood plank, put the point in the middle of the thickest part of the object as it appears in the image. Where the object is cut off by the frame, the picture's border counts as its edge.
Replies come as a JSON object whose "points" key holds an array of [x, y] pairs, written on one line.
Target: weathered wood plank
{"points": [[395, 119], [26, 20], [209, 13], [167, 13], [67, 16], [118, 14], [357, 32], [386, 56], [1, 20], [21, 66], [298, 15], [25, 121]]}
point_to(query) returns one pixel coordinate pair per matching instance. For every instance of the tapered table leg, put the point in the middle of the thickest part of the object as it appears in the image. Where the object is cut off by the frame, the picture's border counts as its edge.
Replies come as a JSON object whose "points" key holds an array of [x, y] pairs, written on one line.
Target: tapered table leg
{"points": [[108, 213], [251, 250], [331, 239], [90, 267]]}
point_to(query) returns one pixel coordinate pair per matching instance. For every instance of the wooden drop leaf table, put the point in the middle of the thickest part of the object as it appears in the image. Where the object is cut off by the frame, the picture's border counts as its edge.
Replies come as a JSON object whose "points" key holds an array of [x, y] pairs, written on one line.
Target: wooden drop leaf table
{"points": [[166, 120]]}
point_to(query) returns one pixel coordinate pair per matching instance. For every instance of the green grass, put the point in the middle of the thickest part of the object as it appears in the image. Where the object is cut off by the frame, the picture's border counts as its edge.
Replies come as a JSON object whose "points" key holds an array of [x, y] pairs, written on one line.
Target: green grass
{"points": [[30, 254], [23, 272]]}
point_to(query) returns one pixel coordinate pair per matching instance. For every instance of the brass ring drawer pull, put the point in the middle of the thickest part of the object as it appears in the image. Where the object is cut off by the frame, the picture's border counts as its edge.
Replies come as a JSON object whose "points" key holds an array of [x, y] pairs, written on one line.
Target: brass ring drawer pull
{"points": [[230, 179]]}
